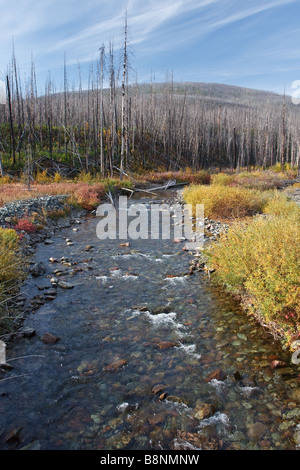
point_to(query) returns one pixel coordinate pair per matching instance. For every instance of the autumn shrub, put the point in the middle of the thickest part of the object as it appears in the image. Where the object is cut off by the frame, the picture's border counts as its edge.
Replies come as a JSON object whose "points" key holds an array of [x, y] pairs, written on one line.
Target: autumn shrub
{"points": [[260, 261], [183, 176], [223, 202], [88, 196], [26, 225], [10, 260], [42, 177], [222, 179], [279, 204]]}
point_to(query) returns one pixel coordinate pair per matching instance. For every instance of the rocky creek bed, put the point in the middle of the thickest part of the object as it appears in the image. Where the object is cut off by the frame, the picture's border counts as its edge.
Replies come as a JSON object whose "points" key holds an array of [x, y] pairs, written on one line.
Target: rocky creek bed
{"points": [[130, 347]]}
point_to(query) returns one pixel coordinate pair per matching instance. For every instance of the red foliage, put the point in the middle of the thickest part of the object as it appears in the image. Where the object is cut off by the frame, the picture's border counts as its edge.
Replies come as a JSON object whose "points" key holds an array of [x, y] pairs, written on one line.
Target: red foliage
{"points": [[26, 225]]}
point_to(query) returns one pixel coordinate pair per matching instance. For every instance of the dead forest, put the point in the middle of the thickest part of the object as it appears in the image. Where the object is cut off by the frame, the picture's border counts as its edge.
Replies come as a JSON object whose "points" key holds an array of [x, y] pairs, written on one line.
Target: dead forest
{"points": [[115, 124]]}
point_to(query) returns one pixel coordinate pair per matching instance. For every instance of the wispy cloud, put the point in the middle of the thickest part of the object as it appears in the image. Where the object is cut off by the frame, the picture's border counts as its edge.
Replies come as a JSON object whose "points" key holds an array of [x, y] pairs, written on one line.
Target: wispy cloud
{"points": [[158, 30]]}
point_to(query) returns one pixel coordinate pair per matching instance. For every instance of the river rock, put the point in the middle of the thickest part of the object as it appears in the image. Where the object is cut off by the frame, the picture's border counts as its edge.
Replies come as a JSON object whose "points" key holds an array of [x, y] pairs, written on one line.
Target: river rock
{"points": [[166, 344], [158, 388], [13, 436], [115, 365], [277, 363], [65, 285], [256, 430], [187, 440], [54, 281], [26, 332], [48, 338], [295, 395], [161, 309], [203, 411], [217, 374], [37, 270]]}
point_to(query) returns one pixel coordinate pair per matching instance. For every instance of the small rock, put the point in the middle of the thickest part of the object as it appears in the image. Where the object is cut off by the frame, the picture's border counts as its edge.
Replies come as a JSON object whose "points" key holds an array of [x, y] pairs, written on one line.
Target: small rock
{"points": [[48, 338], [295, 395], [141, 308], [277, 363], [48, 242], [53, 260], [125, 244], [88, 248], [37, 270], [217, 374], [256, 430], [115, 365], [163, 396], [54, 281], [65, 285], [14, 435], [158, 388], [26, 333], [204, 410], [166, 344], [161, 309]]}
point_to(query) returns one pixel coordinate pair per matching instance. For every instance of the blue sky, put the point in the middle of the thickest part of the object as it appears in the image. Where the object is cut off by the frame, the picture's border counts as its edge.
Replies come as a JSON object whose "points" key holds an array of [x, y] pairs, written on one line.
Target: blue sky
{"points": [[252, 43]]}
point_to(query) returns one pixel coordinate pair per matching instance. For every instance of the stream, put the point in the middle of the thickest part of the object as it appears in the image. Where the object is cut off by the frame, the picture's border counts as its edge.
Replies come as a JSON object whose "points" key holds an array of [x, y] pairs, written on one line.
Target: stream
{"points": [[140, 355]]}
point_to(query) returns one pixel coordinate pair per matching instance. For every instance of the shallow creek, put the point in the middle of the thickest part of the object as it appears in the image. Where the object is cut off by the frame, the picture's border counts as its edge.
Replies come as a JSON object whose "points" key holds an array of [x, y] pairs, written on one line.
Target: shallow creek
{"points": [[143, 360]]}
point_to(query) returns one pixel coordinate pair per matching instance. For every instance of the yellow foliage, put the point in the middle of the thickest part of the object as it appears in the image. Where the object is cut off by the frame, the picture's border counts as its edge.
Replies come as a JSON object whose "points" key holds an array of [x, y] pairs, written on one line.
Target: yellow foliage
{"points": [[221, 202], [260, 260]]}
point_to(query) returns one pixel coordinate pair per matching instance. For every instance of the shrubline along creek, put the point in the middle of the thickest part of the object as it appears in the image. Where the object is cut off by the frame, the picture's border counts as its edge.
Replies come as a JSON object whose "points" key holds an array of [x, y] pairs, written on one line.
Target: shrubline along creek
{"points": [[132, 349]]}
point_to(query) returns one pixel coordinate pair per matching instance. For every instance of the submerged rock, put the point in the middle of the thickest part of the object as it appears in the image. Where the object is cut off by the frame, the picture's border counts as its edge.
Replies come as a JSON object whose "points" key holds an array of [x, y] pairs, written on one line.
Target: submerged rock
{"points": [[48, 338], [217, 374], [115, 365], [158, 388], [204, 410]]}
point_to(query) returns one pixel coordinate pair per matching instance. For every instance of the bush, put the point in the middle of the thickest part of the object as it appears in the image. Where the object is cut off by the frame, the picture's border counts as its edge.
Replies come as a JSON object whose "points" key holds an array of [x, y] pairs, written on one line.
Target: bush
{"points": [[222, 179], [278, 204], [223, 202], [25, 225], [260, 261], [10, 262], [88, 197]]}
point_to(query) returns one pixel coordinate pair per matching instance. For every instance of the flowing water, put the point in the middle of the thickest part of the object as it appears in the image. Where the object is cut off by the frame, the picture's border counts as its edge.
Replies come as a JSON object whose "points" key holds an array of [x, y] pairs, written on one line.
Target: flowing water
{"points": [[127, 327]]}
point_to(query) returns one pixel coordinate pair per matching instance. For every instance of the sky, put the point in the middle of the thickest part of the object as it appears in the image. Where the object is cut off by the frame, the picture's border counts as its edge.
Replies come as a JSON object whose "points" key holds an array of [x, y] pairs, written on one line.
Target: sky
{"points": [[249, 43]]}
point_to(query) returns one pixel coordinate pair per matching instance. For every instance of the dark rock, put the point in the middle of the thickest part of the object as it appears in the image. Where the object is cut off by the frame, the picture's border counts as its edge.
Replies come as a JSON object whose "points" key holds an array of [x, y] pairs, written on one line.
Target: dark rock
{"points": [[13, 436], [217, 374], [5, 367], [277, 363], [248, 381], [237, 376], [37, 270], [161, 309], [25, 333]]}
